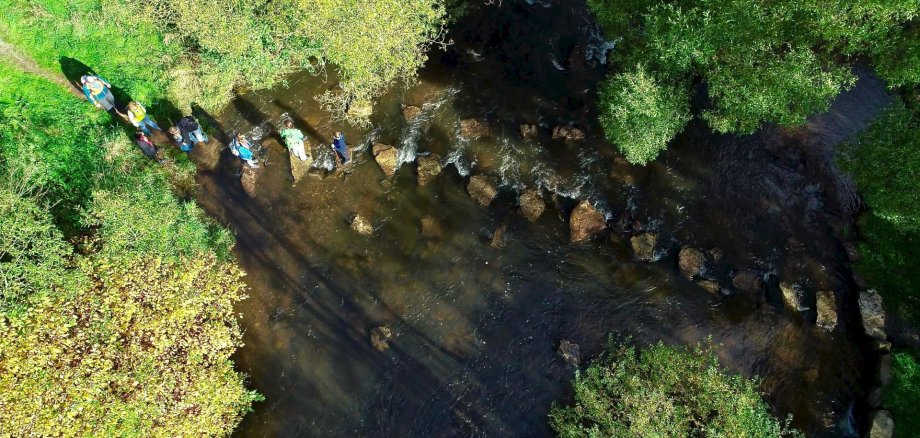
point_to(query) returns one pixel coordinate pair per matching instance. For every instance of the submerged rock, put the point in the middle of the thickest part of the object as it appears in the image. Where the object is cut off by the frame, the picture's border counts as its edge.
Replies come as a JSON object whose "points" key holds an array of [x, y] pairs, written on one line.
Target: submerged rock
{"points": [[428, 168], [569, 133], [690, 260], [532, 204], [482, 189], [570, 352], [385, 155], [498, 237], [882, 425], [827, 310], [248, 180], [529, 132], [585, 222], [430, 227], [709, 286], [380, 337], [206, 155], [643, 246], [410, 112], [474, 128], [747, 281], [873, 315], [362, 225], [793, 296], [360, 110]]}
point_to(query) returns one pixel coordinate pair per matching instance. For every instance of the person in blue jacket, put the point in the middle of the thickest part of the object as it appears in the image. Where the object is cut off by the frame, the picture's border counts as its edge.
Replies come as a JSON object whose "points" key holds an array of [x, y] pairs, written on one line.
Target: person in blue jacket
{"points": [[341, 149], [99, 92], [241, 147]]}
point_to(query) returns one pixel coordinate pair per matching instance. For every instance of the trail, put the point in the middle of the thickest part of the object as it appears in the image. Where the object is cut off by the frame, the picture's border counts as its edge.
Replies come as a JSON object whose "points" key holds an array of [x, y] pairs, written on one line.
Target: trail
{"points": [[27, 64]]}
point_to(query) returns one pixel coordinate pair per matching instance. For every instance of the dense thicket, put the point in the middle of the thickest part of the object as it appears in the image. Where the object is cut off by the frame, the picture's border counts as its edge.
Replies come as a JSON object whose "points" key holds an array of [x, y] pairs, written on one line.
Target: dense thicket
{"points": [[125, 328], [664, 391], [777, 61]]}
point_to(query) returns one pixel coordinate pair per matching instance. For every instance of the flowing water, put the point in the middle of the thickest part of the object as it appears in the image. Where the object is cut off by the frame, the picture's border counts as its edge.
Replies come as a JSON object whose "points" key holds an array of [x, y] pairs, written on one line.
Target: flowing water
{"points": [[476, 328]]}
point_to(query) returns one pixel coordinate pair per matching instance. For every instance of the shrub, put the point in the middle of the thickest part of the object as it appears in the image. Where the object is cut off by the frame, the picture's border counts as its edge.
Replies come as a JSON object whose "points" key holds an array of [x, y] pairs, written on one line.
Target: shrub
{"points": [[664, 392], [640, 115], [144, 351], [902, 397]]}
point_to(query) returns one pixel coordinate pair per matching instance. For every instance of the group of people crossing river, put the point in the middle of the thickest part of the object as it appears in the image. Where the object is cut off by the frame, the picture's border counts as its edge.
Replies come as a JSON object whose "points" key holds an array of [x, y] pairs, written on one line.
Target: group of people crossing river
{"points": [[187, 132]]}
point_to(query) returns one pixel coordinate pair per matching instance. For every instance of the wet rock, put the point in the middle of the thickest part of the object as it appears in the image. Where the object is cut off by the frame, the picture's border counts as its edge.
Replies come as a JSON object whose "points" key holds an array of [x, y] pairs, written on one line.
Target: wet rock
{"points": [[529, 132], [643, 246], [568, 133], [532, 204], [882, 425], [431, 227], [585, 222], [793, 296], [380, 337], [827, 310], [873, 315], [716, 254], [428, 168], [875, 397], [474, 128], [498, 237], [622, 171], [206, 155], [884, 369], [860, 281], [747, 281], [362, 225], [385, 155], [570, 352], [690, 260], [248, 180], [300, 169], [410, 112], [709, 286], [852, 252], [482, 189]]}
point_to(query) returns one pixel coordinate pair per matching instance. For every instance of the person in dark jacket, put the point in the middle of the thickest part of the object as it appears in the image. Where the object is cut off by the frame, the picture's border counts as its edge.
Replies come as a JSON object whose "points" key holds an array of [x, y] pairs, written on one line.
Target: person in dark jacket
{"points": [[187, 133], [147, 146], [341, 149]]}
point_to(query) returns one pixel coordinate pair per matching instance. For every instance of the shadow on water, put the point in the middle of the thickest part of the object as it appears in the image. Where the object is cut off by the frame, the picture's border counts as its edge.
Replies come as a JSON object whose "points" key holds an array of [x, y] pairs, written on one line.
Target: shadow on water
{"points": [[476, 328]]}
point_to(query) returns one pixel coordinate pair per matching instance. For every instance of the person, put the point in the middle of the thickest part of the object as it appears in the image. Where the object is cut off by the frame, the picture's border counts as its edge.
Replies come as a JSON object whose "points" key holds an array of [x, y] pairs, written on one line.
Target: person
{"points": [[241, 147], [293, 138], [187, 133], [138, 117], [147, 146], [98, 91], [341, 149]]}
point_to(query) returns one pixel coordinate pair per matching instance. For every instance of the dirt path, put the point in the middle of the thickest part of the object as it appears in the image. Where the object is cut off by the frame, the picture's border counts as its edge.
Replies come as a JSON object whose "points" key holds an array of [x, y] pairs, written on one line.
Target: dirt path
{"points": [[27, 64]]}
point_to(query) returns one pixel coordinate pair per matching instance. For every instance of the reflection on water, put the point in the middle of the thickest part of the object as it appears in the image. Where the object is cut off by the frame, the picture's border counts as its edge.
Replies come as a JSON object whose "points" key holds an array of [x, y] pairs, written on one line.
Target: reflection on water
{"points": [[476, 328]]}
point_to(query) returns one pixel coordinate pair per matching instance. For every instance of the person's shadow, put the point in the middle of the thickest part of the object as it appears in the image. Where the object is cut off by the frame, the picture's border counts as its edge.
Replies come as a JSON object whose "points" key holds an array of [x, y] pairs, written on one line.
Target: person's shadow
{"points": [[73, 69]]}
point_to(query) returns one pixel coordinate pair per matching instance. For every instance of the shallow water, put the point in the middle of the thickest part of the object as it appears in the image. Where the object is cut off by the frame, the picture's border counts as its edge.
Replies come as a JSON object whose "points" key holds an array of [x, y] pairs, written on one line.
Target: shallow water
{"points": [[476, 328]]}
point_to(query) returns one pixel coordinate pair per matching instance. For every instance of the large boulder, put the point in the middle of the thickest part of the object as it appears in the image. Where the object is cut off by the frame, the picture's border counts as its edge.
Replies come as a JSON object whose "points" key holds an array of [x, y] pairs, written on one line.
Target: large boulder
{"points": [[529, 132], [482, 189], [873, 315], [531, 204], [570, 352], [474, 128], [643, 246], [827, 310], [410, 112], [882, 425], [747, 281], [361, 225], [300, 169], [793, 296], [690, 260], [380, 337], [248, 180], [385, 155], [568, 133], [586, 222], [428, 168]]}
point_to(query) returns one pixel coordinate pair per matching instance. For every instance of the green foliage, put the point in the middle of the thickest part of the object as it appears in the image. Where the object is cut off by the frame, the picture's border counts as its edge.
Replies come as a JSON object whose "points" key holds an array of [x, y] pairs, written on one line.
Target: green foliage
{"points": [[884, 161], [902, 397], [776, 62], [144, 351], [664, 392], [640, 115]]}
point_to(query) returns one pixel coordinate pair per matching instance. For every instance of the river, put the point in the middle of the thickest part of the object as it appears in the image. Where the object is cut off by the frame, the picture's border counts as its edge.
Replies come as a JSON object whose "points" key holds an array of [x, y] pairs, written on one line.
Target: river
{"points": [[476, 328]]}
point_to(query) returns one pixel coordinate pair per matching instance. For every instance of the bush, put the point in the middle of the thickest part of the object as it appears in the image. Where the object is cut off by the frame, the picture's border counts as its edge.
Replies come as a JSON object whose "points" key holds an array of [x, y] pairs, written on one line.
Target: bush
{"points": [[664, 392], [902, 397], [640, 115], [144, 351]]}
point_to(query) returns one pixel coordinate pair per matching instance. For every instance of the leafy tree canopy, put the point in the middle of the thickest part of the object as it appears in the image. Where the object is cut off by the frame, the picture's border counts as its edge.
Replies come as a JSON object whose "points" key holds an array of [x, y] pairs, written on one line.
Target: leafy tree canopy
{"points": [[777, 61]]}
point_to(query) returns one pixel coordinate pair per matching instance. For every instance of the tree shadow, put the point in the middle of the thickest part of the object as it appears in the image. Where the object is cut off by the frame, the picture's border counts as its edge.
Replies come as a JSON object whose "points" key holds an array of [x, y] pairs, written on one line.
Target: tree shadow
{"points": [[210, 122]]}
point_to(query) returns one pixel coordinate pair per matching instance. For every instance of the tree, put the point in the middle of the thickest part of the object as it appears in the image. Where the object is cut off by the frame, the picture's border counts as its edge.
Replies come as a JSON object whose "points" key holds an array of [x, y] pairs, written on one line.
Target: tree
{"points": [[761, 62], [664, 392]]}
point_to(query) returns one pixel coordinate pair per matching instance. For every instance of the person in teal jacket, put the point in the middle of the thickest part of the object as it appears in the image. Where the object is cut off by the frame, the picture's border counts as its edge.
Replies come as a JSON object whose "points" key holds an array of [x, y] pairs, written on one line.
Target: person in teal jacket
{"points": [[99, 92]]}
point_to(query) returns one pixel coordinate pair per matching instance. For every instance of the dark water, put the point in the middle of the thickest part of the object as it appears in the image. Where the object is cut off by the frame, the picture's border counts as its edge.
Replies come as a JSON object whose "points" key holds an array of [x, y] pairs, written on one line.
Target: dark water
{"points": [[476, 328]]}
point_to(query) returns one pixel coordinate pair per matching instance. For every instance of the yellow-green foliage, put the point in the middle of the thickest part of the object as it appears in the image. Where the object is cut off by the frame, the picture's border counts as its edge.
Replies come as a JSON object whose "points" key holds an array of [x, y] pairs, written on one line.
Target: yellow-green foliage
{"points": [[144, 351]]}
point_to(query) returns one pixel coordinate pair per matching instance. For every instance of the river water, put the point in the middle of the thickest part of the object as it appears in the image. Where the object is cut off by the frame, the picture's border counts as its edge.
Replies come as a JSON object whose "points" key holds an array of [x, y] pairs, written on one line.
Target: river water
{"points": [[476, 328]]}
